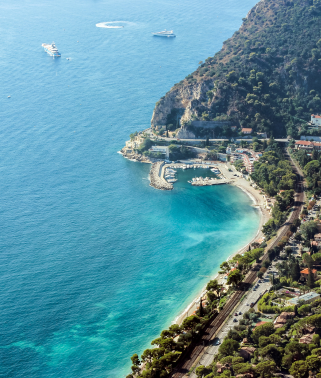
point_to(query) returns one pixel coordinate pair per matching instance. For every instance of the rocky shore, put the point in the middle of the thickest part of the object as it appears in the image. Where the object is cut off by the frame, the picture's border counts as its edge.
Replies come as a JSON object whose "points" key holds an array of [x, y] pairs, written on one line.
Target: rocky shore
{"points": [[157, 180], [135, 157]]}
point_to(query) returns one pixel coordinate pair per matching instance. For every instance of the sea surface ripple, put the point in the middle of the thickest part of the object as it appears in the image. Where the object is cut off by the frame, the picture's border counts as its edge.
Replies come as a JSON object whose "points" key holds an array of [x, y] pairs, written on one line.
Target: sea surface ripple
{"points": [[94, 262]]}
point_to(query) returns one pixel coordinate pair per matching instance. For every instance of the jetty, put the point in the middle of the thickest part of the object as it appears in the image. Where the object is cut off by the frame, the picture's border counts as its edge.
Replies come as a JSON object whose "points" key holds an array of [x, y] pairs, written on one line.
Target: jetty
{"points": [[157, 179], [208, 181]]}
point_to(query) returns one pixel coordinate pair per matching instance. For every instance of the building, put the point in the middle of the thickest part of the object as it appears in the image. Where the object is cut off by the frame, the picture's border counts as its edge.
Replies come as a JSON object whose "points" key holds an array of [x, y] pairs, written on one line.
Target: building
{"points": [[248, 163], [307, 145], [306, 339], [315, 120], [247, 353], [246, 130], [162, 149], [317, 237], [233, 128], [262, 135], [133, 144], [305, 273], [283, 318], [307, 298]]}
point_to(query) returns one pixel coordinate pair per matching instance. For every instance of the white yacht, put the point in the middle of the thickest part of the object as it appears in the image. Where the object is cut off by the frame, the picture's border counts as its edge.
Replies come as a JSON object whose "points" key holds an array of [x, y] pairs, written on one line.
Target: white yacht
{"points": [[51, 49], [165, 33]]}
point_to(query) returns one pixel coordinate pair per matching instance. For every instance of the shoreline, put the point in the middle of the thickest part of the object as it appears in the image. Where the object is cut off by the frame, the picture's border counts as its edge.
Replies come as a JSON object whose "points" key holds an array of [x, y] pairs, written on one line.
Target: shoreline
{"points": [[258, 201]]}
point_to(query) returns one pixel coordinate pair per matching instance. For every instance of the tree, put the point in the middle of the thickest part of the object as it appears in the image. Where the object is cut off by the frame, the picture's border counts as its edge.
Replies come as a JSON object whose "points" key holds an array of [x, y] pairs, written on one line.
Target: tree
{"points": [[225, 267], [311, 168], [311, 280], [263, 330], [299, 369], [295, 271], [228, 347], [214, 286], [272, 352], [234, 277], [135, 359], [309, 229], [190, 323], [266, 369], [201, 371], [313, 362]]}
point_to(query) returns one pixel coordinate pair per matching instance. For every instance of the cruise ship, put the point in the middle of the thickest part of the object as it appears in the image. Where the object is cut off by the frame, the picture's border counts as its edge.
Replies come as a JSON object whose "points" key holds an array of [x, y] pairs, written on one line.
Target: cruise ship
{"points": [[51, 49], [165, 33]]}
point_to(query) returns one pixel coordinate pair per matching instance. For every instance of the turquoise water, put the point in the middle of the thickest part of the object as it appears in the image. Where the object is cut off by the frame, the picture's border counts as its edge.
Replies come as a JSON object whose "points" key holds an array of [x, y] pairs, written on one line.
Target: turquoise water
{"points": [[94, 262]]}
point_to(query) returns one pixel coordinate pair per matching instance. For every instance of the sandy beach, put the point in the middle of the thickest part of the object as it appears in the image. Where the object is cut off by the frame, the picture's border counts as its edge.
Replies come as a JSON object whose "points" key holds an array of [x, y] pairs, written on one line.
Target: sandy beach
{"points": [[258, 202]]}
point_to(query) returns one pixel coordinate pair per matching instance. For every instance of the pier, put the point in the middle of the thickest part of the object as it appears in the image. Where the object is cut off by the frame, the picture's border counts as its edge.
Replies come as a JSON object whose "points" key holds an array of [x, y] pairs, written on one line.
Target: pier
{"points": [[157, 179], [200, 181]]}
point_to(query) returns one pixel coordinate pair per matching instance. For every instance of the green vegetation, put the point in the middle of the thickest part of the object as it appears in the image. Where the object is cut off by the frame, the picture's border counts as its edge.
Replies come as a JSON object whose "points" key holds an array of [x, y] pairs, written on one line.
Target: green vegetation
{"points": [[310, 163], [272, 350], [267, 76]]}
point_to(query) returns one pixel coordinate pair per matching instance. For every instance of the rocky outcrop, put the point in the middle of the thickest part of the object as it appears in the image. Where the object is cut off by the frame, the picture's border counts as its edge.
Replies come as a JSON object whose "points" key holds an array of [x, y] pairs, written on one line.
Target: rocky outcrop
{"points": [[183, 133], [184, 98], [157, 180]]}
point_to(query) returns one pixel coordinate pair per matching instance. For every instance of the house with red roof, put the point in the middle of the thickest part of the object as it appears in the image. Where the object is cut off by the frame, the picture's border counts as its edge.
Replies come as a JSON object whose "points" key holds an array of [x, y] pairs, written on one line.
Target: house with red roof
{"points": [[246, 130], [305, 273], [307, 145]]}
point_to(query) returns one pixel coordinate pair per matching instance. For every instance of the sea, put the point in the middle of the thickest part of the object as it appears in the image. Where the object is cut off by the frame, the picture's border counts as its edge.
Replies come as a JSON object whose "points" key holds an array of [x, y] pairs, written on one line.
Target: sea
{"points": [[94, 262]]}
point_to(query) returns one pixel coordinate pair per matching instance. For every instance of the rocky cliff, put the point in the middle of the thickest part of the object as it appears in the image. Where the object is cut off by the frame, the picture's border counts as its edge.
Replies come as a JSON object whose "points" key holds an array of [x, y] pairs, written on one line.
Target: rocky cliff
{"points": [[267, 76]]}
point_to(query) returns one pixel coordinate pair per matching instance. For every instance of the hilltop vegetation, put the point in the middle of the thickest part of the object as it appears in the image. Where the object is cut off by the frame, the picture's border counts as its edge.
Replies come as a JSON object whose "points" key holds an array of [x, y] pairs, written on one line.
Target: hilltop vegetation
{"points": [[267, 75]]}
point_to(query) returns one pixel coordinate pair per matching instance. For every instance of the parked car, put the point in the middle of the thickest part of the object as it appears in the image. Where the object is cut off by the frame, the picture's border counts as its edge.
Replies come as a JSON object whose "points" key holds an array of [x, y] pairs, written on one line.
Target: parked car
{"points": [[234, 320]]}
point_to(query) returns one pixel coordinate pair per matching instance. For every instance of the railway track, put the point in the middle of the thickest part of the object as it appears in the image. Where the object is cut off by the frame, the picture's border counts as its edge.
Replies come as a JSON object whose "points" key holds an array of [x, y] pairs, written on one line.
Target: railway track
{"points": [[185, 365]]}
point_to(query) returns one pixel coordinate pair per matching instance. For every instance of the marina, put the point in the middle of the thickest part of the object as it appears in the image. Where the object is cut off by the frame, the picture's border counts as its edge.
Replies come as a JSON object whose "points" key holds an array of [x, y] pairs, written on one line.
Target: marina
{"points": [[168, 172]]}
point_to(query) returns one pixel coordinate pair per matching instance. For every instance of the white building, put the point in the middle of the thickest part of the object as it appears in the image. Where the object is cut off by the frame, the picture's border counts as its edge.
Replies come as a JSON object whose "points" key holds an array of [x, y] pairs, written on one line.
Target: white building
{"points": [[162, 149], [316, 120]]}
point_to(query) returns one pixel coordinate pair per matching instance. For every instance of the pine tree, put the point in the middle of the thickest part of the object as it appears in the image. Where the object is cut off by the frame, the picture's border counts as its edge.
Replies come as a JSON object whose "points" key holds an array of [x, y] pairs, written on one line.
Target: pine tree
{"points": [[295, 271], [310, 282], [201, 308]]}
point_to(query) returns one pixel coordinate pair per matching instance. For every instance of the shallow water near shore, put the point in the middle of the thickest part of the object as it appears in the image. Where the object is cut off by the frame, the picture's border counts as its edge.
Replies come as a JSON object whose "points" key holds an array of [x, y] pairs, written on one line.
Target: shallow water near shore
{"points": [[95, 262]]}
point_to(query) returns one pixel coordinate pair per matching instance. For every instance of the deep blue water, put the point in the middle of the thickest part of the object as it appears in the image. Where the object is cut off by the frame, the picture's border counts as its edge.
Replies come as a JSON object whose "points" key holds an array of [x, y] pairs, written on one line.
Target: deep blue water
{"points": [[94, 262]]}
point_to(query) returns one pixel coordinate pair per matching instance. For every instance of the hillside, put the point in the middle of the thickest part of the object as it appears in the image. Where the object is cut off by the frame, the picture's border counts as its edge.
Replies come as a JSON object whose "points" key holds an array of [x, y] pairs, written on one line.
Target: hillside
{"points": [[267, 76]]}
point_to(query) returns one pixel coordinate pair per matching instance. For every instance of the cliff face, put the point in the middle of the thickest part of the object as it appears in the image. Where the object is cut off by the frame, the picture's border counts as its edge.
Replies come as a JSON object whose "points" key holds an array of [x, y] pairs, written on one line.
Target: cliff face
{"points": [[184, 98], [267, 76]]}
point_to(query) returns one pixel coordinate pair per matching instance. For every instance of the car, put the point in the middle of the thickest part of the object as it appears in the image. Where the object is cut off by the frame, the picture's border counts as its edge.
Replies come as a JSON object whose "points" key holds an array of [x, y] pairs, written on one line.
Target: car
{"points": [[217, 342], [254, 289], [247, 304], [240, 313], [236, 314], [234, 320]]}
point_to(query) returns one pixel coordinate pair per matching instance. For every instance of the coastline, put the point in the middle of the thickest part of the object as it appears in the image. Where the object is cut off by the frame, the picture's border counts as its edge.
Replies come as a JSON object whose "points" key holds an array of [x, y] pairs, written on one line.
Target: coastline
{"points": [[258, 202]]}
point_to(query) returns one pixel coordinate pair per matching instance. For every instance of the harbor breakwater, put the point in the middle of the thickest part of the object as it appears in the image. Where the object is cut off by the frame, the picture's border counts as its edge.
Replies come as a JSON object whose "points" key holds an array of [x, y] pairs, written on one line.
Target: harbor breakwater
{"points": [[157, 180]]}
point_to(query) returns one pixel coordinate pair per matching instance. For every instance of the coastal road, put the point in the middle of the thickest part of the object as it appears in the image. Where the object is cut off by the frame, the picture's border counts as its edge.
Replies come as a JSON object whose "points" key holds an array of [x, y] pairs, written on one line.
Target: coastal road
{"points": [[243, 307], [206, 341]]}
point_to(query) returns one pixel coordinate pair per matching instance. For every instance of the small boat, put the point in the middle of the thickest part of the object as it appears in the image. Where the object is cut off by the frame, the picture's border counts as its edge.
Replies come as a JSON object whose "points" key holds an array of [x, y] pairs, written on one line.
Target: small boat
{"points": [[9, 96], [165, 33]]}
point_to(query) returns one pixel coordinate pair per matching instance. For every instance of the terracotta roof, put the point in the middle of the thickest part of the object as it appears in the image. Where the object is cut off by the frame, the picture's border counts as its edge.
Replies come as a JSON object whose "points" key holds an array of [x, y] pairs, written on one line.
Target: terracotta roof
{"points": [[307, 143], [315, 116], [246, 129], [306, 271]]}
